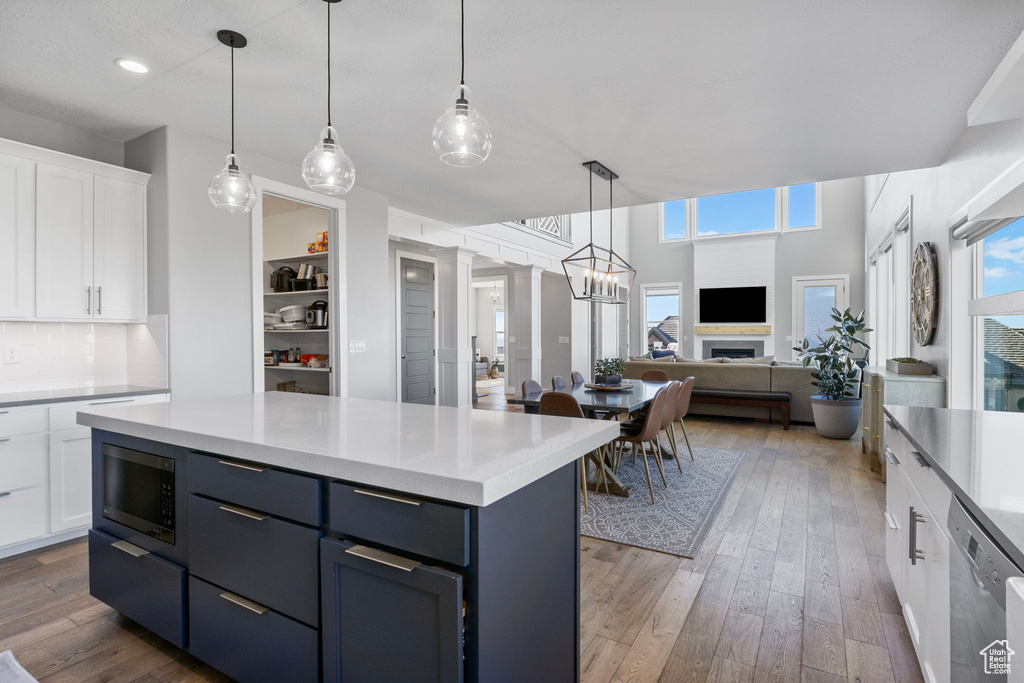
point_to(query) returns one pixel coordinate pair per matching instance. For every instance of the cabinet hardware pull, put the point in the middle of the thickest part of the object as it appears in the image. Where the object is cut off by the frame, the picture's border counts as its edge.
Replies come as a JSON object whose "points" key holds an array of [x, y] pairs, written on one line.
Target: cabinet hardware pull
{"points": [[381, 557], [130, 548], [5, 493], [251, 468], [244, 512], [4, 412], [243, 602], [88, 300], [915, 518], [108, 403], [99, 300], [891, 521], [388, 496], [4, 440], [891, 456], [920, 459]]}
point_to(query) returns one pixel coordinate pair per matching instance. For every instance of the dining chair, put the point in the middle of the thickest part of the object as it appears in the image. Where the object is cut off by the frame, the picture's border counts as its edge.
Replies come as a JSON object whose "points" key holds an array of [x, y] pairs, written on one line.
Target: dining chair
{"points": [[531, 387], [647, 433], [654, 376], [577, 379], [557, 383], [566, 405], [682, 406], [668, 417]]}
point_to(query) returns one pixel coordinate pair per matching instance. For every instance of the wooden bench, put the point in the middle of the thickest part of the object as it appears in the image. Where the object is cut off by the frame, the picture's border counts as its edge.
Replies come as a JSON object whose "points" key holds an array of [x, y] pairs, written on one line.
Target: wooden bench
{"points": [[740, 397]]}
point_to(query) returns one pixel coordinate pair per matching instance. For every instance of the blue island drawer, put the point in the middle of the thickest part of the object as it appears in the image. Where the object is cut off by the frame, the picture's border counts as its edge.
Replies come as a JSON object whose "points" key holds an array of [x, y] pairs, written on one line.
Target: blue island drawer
{"points": [[247, 640], [434, 530], [145, 588], [283, 494], [249, 552]]}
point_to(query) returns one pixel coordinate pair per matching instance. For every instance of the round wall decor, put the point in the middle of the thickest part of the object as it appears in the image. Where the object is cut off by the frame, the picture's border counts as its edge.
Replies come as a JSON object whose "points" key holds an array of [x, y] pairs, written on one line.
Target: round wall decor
{"points": [[924, 293]]}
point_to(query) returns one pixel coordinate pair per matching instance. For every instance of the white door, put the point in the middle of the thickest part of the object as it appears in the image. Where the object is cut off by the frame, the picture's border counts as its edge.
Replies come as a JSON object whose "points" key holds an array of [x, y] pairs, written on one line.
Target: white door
{"points": [[119, 249], [64, 249], [17, 236], [814, 299], [70, 479]]}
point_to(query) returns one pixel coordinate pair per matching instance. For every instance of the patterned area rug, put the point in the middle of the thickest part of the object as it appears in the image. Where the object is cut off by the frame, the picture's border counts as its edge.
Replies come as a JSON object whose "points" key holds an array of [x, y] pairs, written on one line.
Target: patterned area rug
{"points": [[681, 515]]}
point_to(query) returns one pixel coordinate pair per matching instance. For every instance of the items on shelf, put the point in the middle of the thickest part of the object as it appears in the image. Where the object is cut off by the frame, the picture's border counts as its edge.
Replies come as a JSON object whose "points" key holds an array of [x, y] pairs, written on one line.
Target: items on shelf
{"points": [[280, 279], [319, 246], [316, 315], [315, 360]]}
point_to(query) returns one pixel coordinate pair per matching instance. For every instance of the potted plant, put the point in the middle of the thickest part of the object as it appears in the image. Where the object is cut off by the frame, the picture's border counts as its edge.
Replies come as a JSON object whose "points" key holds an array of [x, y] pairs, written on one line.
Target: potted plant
{"points": [[837, 407], [609, 371]]}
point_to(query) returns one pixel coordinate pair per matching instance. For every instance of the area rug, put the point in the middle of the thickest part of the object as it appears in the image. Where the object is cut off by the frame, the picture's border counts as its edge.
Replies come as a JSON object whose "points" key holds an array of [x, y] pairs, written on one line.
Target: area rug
{"points": [[11, 671], [681, 515]]}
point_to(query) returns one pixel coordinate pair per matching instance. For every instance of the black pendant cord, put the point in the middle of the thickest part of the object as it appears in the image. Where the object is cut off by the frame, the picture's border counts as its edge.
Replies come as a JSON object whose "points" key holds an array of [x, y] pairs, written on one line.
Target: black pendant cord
{"points": [[591, 209], [611, 204], [232, 100], [462, 40], [328, 65]]}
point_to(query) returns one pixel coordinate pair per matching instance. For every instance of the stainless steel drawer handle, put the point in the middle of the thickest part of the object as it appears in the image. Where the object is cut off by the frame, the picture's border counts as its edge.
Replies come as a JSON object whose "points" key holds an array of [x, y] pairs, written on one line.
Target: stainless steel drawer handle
{"points": [[891, 456], [388, 496], [915, 519], [4, 412], [244, 512], [381, 557], [242, 466], [110, 403], [130, 548], [4, 440], [891, 521], [920, 459], [5, 493], [243, 602]]}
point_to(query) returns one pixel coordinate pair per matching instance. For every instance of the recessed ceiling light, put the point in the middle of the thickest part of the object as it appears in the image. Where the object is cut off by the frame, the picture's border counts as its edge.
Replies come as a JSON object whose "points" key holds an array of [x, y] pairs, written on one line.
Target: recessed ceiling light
{"points": [[133, 66]]}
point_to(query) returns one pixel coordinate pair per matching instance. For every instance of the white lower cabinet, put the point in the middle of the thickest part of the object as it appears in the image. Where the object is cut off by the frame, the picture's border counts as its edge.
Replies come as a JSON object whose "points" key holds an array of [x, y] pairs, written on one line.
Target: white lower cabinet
{"points": [[70, 479], [22, 515]]}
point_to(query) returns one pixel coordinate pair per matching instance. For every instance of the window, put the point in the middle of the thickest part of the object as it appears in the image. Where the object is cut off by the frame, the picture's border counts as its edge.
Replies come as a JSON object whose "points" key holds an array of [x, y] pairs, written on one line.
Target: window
{"points": [[813, 301], [1002, 327], [661, 316], [737, 213], [499, 334]]}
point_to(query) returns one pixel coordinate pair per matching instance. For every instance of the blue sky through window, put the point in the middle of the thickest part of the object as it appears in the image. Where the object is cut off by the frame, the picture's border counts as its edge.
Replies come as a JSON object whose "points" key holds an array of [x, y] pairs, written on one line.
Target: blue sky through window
{"points": [[675, 220], [802, 206], [738, 212], [1004, 265], [662, 306]]}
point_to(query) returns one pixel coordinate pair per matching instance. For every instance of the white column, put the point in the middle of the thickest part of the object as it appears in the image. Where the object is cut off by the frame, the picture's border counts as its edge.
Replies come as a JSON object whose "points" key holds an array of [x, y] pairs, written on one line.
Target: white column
{"points": [[454, 355], [526, 350]]}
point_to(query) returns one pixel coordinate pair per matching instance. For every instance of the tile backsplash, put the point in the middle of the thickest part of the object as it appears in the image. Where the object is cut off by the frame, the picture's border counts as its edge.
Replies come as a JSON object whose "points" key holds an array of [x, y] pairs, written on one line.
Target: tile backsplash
{"points": [[84, 354]]}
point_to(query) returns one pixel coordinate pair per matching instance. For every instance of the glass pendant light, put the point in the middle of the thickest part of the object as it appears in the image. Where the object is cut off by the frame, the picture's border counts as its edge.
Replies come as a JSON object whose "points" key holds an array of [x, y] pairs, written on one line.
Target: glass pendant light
{"points": [[231, 189], [462, 136], [327, 168]]}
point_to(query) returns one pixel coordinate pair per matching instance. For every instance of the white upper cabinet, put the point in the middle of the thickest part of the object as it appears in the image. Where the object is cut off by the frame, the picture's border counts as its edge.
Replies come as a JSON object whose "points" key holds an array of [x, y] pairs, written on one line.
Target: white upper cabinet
{"points": [[73, 236], [17, 235], [64, 243], [119, 249]]}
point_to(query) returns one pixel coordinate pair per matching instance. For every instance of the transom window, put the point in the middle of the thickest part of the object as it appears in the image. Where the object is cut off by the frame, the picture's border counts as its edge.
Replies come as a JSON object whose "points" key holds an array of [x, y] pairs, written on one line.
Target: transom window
{"points": [[769, 210]]}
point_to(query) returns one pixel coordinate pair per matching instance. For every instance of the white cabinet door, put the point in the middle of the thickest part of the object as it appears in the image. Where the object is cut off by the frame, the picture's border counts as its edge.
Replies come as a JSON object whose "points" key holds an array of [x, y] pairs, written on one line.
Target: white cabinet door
{"points": [[17, 237], [936, 630], [70, 479], [119, 249], [64, 243], [895, 522]]}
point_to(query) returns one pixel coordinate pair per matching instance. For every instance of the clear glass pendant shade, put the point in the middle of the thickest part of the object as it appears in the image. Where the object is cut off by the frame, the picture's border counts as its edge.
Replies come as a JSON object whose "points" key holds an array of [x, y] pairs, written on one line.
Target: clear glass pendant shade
{"points": [[327, 168], [231, 189], [462, 136]]}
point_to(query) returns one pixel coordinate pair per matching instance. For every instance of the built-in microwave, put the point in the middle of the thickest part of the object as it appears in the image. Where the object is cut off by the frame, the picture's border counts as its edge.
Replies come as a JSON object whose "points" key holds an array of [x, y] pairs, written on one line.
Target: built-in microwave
{"points": [[138, 491]]}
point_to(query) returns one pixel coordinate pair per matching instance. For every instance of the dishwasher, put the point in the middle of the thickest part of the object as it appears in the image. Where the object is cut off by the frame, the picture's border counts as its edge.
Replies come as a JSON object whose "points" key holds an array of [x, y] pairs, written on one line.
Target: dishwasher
{"points": [[977, 599]]}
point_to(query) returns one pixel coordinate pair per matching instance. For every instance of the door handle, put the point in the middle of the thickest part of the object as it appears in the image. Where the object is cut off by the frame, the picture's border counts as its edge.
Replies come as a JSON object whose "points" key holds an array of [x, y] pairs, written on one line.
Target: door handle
{"points": [[381, 557], [243, 602], [920, 459], [915, 519], [244, 512], [99, 300], [88, 300], [403, 356]]}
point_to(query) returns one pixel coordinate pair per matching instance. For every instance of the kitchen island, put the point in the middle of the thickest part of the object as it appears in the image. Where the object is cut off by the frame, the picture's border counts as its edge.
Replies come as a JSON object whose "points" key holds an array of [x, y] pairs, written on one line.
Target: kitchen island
{"points": [[296, 537]]}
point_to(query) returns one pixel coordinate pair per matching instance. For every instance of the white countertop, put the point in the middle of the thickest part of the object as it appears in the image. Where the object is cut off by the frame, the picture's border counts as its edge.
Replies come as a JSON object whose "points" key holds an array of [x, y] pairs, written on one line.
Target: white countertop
{"points": [[473, 457]]}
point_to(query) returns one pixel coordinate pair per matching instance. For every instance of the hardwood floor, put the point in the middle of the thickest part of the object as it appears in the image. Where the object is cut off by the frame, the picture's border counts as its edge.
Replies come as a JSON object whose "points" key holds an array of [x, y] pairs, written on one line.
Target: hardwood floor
{"points": [[789, 585]]}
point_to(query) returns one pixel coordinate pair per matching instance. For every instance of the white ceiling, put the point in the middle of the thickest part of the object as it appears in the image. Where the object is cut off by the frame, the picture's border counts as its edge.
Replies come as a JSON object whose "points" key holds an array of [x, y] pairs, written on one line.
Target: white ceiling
{"points": [[680, 97]]}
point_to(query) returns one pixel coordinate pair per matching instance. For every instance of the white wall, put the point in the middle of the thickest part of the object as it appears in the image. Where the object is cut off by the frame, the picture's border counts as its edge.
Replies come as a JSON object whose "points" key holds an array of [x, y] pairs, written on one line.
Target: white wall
{"points": [[60, 137], [289, 233]]}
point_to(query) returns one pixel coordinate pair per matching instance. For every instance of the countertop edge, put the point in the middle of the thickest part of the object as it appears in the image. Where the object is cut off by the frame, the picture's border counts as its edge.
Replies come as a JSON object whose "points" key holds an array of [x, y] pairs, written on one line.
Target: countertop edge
{"points": [[1015, 553], [80, 399], [475, 493]]}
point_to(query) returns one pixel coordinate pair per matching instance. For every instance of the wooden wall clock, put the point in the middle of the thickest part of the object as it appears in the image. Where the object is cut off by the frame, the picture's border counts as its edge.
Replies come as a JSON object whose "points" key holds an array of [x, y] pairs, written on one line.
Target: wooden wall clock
{"points": [[924, 293]]}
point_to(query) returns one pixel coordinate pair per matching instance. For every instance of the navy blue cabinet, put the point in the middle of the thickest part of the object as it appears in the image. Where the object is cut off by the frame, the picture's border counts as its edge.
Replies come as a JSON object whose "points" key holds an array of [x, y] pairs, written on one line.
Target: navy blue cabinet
{"points": [[388, 618], [138, 584], [264, 558], [247, 640]]}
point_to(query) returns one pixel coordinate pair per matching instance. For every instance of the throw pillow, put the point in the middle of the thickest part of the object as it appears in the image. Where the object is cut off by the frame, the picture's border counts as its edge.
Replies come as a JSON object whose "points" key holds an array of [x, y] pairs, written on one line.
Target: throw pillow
{"points": [[789, 363], [661, 353], [714, 360], [762, 360], [684, 359]]}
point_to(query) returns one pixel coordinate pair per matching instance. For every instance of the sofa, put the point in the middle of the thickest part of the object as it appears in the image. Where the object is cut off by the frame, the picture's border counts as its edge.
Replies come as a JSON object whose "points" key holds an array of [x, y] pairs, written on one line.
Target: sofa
{"points": [[736, 374]]}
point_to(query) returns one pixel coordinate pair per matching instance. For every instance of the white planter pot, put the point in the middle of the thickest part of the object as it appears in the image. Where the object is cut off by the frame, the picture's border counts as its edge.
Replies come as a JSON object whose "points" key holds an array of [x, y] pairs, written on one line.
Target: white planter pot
{"points": [[836, 419]]}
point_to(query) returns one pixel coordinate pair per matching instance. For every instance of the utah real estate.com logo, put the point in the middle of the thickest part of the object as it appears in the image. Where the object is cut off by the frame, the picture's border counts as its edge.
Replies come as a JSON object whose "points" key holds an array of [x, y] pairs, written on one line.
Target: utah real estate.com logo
{"points": [[997, 657]]}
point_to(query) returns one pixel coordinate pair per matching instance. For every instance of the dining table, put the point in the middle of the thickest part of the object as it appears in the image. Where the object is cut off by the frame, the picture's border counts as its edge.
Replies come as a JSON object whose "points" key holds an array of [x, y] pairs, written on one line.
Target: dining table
{"points": [[604, 404]]}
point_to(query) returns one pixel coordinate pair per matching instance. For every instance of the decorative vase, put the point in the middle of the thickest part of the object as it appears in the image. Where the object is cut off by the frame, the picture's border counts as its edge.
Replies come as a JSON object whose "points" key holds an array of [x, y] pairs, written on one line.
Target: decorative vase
{"points": [[613, 380], [836, 419], [599, 379]]}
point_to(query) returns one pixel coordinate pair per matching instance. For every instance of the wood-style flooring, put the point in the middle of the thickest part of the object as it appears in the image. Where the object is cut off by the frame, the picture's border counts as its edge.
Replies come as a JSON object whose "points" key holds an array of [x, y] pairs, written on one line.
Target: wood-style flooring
{"points": [[789, 585]]}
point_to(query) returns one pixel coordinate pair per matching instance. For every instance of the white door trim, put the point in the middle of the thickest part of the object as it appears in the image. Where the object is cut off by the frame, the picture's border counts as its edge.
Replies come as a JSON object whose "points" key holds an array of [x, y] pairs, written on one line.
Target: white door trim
{"points": [[412, 256]]}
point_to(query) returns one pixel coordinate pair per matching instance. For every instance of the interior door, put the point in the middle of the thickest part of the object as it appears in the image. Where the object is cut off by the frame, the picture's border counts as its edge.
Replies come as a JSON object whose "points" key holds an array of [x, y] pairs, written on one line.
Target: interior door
{"points": [[815, 299], [417, 339], [64, 246], [17, 235], [119, 257]]}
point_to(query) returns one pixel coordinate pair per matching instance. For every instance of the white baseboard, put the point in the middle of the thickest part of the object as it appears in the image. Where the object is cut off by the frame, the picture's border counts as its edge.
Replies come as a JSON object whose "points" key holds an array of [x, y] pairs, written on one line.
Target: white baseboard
{"points": [[29, 546]]}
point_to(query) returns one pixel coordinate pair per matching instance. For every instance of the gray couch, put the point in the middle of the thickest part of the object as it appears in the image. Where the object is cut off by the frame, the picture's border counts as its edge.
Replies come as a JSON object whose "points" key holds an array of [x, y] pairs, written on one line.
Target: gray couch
{"points": [[737, 375]]}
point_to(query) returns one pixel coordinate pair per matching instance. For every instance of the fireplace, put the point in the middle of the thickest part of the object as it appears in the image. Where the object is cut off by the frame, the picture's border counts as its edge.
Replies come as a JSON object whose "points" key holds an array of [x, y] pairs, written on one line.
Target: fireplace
{"points": [[731, 348]]}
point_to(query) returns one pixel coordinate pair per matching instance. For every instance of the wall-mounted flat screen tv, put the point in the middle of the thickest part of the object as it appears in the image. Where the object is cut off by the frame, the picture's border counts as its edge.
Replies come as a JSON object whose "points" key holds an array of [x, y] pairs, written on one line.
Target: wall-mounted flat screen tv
{"points": [[732, 305]]}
